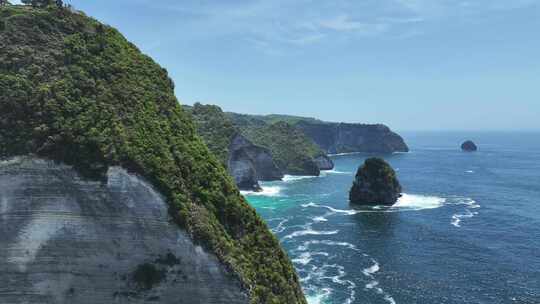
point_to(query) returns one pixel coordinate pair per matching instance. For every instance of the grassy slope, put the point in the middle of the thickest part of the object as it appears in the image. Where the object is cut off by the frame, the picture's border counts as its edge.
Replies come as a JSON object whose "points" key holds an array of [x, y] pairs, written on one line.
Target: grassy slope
{"points": [[76, 91], [292, 150]]}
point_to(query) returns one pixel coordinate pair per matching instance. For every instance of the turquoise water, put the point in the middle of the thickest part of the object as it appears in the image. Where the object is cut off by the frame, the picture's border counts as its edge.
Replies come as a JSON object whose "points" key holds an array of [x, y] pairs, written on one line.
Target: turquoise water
{"points": [[467, 229]]}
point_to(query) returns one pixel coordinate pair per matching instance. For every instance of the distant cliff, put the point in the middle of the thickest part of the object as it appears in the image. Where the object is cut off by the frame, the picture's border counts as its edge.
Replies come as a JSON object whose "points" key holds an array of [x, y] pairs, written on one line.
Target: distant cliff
{"points": [[339, 137], [292, 150], [345, 137]]}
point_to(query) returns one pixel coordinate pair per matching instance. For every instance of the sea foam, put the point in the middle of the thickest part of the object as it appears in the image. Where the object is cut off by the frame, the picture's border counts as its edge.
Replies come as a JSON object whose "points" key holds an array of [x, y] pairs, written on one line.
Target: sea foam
{"points": [[418, 202], [470, 205], [266, 191], [294, 178], [309, 231], [320, 297]]}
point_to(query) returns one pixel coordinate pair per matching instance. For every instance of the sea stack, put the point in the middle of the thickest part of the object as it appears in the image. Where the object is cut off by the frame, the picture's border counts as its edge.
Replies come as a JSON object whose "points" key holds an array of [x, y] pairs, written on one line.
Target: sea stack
{"points": [[375, 183], [469, 146]]}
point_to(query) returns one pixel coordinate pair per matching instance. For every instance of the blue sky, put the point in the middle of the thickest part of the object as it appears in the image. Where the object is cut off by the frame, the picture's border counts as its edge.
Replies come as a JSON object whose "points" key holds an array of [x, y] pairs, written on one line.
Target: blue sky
{"points": [[412, 64]]}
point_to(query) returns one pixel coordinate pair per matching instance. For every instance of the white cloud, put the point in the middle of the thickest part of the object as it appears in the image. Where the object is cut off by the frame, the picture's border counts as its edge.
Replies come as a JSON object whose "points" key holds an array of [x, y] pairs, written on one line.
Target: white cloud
{"points": [[342, 23]]}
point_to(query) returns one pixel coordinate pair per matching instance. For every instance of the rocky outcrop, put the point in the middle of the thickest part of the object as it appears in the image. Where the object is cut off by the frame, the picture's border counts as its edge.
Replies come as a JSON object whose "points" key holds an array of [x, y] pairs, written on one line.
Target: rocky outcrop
{"points": [[64, 239], [469, 146], [375, 183], [324, 162], [345, 137], [249, 164]]}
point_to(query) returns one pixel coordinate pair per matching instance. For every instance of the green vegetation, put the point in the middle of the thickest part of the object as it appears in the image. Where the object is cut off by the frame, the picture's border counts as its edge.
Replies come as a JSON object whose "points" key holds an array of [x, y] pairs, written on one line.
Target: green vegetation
{"points": [[215, 128], [290, 119], [43, 3], [292, 151], [77, 91]]}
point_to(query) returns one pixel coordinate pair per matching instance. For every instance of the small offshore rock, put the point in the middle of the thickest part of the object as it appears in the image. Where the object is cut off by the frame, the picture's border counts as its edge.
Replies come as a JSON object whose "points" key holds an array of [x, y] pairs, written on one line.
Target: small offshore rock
{"points": [[469, 146]]}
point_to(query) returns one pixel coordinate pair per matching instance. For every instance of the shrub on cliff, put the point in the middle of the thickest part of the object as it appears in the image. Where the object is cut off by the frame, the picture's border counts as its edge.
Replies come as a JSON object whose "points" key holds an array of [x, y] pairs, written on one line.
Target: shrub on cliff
{"points": [[76, 91]]}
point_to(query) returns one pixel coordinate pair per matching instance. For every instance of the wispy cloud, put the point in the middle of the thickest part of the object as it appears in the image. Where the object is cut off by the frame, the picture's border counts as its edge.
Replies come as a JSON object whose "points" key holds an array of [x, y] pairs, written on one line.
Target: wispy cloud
{"points": [[303, 23]]}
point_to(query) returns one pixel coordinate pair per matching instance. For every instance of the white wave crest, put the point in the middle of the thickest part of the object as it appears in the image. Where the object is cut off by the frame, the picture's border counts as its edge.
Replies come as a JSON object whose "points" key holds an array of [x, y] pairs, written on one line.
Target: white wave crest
{"points": [[345, 154], [306, 257], [293, 178], [334, 210], [280, 227], [371, 269], [319, 219], [307, 244], [266, 191], [470, 205], [309, 231], [320, 297], [419, 202], [373, 284], [334, 171]]}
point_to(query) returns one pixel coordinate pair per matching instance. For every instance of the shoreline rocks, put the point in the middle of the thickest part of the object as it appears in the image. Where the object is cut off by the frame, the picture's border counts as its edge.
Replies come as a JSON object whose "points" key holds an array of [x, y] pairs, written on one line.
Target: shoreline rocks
{"points": [[375, 183]]}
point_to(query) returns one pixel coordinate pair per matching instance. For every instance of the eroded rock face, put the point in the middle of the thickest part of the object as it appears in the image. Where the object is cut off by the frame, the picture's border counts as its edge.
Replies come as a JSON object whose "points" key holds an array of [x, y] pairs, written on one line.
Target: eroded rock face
{"points": [[324, 162], [344, 137], [375, 183], [249, 163], [68, 240]]}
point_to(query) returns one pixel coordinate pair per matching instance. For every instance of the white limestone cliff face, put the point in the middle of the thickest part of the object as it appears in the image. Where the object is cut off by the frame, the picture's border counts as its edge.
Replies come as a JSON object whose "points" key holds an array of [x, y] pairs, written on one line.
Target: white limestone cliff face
{"points": [[64, 239]]}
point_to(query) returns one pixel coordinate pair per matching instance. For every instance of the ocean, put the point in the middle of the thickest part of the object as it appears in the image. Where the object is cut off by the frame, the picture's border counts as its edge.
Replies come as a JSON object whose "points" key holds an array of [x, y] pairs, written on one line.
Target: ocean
{"points": [[466, 230]]}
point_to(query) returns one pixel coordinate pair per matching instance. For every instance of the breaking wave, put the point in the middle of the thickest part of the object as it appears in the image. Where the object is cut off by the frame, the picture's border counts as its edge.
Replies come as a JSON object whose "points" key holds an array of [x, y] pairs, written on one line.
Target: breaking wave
{"points": [[293, 178], [266, 191], [470, 205], [418, 202]]}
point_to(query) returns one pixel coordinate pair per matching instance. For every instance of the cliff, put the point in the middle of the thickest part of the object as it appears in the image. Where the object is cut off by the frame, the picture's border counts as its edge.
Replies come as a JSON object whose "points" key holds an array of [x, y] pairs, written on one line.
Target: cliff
{"points": [[246, 163], [77, 92], [344, 137], [336, 138], [80, 241], [293, 151]]}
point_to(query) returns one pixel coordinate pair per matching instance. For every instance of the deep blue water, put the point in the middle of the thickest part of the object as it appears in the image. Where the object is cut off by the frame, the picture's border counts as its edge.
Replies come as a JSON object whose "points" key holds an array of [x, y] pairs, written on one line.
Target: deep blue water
{"points": [[467, 229]]}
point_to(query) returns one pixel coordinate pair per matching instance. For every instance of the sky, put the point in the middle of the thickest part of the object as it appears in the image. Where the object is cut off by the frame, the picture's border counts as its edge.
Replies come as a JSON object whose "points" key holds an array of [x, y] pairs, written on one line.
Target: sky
{"points": [[411, 64]]}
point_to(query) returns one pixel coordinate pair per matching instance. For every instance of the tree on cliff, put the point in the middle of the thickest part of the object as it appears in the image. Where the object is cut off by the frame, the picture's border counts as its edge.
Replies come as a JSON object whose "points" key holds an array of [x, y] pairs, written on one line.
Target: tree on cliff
{"points": [[43, 3]]}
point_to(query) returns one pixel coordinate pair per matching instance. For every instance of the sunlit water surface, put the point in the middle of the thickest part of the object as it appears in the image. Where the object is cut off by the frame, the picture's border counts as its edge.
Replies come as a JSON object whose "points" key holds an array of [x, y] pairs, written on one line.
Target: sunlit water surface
{"points": [[466, 230]]}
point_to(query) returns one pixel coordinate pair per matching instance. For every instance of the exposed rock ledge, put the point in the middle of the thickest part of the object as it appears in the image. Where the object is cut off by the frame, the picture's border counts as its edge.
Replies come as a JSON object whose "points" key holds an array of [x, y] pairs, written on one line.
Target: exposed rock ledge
{"points": [[67, 240], [249, 164]]}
